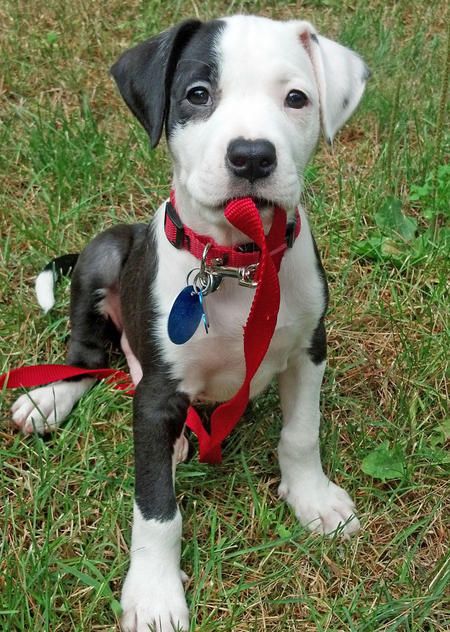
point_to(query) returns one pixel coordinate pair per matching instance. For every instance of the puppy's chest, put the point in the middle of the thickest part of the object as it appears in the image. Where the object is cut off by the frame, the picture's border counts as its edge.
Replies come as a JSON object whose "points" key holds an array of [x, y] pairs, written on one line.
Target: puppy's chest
{"points": [[211, 366]]}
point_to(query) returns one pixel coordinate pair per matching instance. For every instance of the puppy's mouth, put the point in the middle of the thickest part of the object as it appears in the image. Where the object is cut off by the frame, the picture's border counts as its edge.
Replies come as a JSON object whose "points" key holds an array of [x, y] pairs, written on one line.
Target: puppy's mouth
{"points": [[262, 204]]}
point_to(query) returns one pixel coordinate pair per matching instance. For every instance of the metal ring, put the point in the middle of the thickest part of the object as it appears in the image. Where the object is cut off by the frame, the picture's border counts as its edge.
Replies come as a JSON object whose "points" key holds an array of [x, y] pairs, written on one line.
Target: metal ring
{"points": [[189, 274], [202, 283]]}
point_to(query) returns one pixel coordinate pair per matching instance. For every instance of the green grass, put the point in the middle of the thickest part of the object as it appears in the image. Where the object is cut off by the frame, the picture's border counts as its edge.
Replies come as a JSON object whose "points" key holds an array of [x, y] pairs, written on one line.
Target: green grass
{"points": [[72, 162]]}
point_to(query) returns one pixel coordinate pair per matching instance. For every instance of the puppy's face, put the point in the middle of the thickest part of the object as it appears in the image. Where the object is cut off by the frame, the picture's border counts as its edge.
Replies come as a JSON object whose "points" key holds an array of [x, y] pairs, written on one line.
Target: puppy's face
{"points": [[243, 100], [244, 113]]}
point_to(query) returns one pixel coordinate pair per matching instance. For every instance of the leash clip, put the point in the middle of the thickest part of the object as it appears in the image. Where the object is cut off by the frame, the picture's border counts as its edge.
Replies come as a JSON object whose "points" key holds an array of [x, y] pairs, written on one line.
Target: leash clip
{"points": [[245, 275], [209, 275], [217, 270]]}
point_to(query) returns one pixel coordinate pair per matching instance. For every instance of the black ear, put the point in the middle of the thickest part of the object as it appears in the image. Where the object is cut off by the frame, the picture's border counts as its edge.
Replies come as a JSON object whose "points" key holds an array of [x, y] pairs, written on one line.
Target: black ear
{"points": [[144, 75]]}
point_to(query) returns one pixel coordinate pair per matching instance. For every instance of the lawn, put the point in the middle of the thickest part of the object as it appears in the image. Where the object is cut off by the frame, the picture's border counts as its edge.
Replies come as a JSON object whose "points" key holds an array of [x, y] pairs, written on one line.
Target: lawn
{"points": [[72, 162]]}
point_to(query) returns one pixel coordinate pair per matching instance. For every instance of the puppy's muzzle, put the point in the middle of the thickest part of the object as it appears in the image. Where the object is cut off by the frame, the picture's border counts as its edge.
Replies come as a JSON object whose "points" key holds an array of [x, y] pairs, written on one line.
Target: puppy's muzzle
{"points": [[251, 159]]}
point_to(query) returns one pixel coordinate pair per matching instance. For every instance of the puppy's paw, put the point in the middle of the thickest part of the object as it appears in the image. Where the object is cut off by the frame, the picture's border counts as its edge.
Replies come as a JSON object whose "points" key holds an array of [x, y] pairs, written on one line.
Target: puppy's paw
{"points": [[40, 410], [322, 508], [153, 603], [44, 409]]}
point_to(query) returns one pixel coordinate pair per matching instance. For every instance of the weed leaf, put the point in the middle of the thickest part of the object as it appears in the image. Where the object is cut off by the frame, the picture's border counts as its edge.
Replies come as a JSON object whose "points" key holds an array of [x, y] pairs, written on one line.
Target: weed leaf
{"points": [[384, 463], [391, 220]]}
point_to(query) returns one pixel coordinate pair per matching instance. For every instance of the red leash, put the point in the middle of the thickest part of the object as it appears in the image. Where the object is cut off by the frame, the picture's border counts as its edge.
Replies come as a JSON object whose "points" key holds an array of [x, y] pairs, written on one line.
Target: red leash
{"points": [[258, 331], [30, 376]]}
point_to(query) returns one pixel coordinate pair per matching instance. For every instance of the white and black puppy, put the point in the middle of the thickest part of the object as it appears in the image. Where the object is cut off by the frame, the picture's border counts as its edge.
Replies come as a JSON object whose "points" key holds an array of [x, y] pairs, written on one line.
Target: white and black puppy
{"points": [[242, 101]]}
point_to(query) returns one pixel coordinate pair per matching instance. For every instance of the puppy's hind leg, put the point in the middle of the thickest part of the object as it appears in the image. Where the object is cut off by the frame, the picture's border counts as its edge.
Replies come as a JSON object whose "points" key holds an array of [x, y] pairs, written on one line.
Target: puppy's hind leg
{"points": [[44, 409], [94, 279]]}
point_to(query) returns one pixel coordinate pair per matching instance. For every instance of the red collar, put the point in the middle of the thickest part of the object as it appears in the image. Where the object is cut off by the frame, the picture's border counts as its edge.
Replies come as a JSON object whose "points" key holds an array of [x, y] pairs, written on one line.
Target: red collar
{"points": [[183, 238]]}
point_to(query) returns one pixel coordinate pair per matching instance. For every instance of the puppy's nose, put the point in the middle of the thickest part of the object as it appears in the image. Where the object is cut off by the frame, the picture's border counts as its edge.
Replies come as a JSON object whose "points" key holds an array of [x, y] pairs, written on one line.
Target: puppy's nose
{"points": [[251, 159]]}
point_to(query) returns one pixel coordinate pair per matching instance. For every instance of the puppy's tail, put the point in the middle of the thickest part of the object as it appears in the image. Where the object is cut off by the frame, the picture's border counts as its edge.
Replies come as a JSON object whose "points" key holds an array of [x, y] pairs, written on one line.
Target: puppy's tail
{"points": [[45, 281]]}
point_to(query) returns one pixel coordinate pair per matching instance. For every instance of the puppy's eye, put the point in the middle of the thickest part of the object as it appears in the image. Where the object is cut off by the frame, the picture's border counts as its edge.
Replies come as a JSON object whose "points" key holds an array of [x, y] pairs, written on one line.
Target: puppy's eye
{"points": [[296, 99], [198, 96]]}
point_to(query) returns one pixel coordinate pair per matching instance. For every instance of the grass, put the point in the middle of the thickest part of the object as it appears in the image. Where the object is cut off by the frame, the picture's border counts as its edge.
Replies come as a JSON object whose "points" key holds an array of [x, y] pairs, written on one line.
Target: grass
{"points": [[74, 162]]}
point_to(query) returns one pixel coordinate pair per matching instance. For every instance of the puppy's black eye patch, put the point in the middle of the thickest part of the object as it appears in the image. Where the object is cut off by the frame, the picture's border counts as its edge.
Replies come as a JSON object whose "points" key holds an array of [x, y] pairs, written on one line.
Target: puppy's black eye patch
{"points": [[198, 95], [296, 99]]}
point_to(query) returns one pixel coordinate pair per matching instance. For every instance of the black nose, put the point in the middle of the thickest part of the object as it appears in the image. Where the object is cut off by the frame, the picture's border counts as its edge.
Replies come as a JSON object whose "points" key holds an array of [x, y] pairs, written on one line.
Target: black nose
{"points": [[251, 159]]}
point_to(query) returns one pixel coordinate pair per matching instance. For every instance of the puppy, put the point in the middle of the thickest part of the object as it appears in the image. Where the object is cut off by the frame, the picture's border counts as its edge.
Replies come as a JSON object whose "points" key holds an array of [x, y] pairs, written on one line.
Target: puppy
{"points": [[242, 101]]}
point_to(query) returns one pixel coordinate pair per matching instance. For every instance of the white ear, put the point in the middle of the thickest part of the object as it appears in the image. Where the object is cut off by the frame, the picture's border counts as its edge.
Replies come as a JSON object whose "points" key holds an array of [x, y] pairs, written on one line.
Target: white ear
{"points": [[341, 77]]}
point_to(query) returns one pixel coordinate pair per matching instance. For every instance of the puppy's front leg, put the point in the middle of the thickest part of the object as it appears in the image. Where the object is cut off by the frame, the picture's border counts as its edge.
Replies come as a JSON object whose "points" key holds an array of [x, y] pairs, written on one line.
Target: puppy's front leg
{"points": [[319, 504], [153, 594]]}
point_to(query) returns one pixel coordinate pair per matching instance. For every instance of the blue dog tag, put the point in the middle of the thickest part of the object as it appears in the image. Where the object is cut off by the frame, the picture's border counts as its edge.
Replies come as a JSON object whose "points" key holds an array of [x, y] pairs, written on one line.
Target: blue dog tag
{"points": [[185, 316]]}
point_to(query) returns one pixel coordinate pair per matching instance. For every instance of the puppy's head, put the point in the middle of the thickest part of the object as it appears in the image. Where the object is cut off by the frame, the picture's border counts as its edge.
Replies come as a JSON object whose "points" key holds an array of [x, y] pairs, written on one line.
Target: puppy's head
{"points": [[242, 100]]}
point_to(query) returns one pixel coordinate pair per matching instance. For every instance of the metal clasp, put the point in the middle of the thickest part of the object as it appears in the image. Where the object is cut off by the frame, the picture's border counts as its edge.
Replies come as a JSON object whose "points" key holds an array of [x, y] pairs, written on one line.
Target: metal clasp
{"points": [[245, 275], [208, 276]]}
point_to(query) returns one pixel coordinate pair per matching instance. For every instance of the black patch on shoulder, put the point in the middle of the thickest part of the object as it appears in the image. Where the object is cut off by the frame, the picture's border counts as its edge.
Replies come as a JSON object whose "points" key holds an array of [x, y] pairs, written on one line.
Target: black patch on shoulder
{"points": [[318, 346], [314, 38], [198, 64], [137, 303]]}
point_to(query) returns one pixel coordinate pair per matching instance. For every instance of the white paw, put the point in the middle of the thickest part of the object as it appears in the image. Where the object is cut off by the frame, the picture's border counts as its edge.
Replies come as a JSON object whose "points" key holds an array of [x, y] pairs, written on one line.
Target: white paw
{"points": [[153, 602], [43, 409], [322, 508], [40, 410]]}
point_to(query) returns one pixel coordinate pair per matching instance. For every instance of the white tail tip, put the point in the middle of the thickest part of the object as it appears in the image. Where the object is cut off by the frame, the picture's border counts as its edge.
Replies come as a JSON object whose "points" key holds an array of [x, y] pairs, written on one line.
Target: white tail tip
{"points": [[43, 286]]}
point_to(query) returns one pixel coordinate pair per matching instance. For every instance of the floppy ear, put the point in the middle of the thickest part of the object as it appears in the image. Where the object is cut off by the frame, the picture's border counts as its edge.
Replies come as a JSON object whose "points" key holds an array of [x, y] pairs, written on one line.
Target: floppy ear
{"points": [[341, 77], [144, 75]]}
